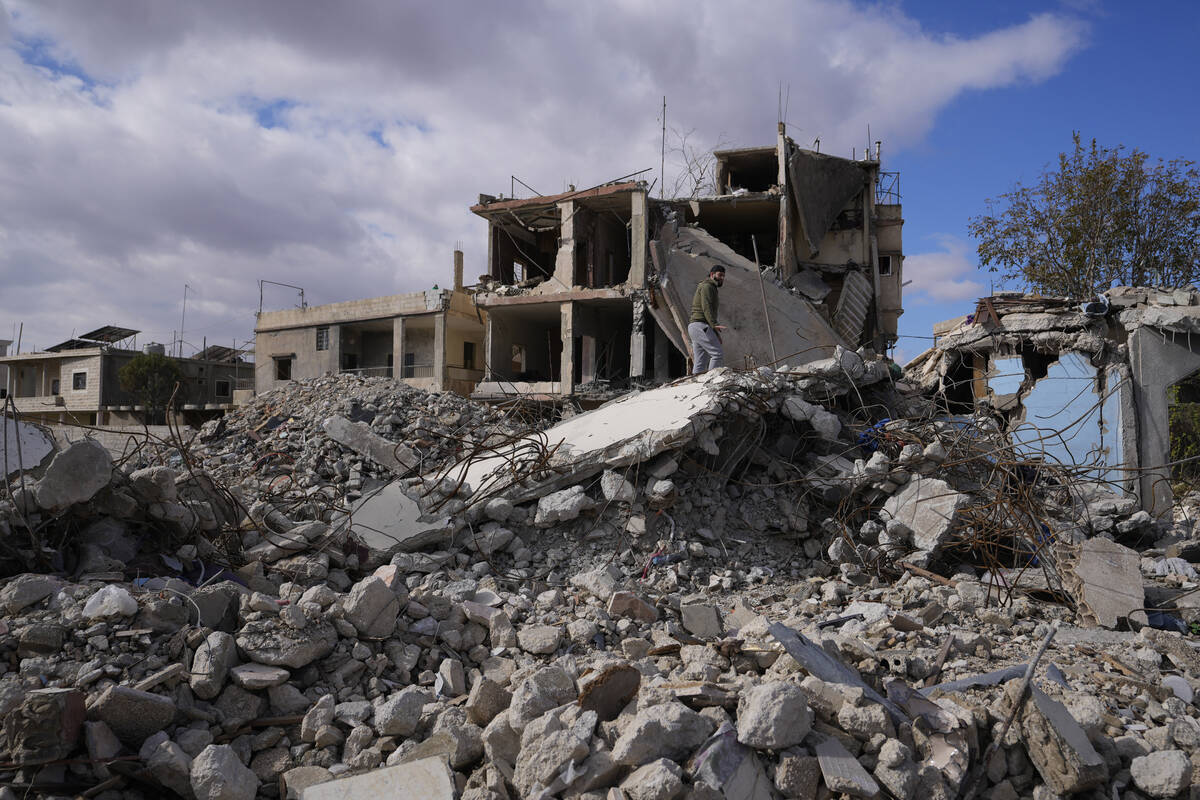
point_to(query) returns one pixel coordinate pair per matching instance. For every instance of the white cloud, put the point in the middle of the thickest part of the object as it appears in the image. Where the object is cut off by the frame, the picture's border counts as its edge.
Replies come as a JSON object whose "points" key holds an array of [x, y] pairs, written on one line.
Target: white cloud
{"points": [[942, 275], [132, 158]]}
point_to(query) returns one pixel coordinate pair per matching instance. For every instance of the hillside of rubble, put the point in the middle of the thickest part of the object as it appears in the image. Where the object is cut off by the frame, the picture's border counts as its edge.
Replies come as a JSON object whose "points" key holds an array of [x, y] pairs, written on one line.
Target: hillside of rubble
{"points": [[793, 583]]}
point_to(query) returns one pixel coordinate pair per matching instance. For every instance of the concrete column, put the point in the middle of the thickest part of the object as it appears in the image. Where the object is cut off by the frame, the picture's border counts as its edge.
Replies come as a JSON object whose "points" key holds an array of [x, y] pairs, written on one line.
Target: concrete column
{"points": [[458, 270], [662, 354], [564, 261], [637, 339], [588, 349], [439, 351], [637, 240], [398, 347], [335, 349], [567, 368]]}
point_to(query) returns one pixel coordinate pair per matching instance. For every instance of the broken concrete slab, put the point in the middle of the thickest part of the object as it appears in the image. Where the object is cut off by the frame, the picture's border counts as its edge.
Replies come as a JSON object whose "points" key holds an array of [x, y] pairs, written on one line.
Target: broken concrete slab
{"points": [[45, 726], [684, 255], [25, 445], [929, 508], [359, 437], [633, 428], [841, 771], [1056, 743], [389, 521], [426, 778], [1106, 580], [824, 666], [74, 476]]}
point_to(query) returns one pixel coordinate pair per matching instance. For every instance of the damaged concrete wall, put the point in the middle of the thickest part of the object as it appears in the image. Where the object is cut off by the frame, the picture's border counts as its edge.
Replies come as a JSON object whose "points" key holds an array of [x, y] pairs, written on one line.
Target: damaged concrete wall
{"points": [[800, 334], [1157, 359]]}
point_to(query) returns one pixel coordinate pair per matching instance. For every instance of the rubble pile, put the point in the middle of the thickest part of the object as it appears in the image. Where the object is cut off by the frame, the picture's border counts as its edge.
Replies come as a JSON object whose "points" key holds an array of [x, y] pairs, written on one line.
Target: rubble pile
{"points": [[779, 583]]}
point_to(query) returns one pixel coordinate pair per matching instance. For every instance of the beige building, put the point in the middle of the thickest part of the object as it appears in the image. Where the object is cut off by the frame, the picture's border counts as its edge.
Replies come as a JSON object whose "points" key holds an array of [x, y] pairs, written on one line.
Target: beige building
{"points": [[77, 381], [588, 292], [431, 339]]}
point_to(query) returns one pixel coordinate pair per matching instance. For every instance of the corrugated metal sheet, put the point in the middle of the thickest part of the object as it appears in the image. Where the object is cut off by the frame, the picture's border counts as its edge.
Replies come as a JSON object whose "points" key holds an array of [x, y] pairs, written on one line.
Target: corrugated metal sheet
{"points": [[852, 307]]}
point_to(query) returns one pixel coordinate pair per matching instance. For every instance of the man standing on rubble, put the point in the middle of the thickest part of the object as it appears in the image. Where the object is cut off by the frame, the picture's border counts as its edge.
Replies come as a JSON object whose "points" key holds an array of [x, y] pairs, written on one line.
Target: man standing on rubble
{"points": [[703, 330]]}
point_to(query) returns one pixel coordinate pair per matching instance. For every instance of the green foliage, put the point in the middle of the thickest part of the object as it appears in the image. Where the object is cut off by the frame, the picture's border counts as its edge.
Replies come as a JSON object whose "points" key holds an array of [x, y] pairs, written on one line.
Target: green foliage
{"points": [[152, 378], [1184, 421], [1104, 217]]}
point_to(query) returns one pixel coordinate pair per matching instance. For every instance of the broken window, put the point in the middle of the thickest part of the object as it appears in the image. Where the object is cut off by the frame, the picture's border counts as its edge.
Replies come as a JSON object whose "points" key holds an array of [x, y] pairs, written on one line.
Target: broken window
{"points": [[54, 386], [323, 338], [78, 381], [283, 369], [468, 355], [222, 388], [885, 265]]}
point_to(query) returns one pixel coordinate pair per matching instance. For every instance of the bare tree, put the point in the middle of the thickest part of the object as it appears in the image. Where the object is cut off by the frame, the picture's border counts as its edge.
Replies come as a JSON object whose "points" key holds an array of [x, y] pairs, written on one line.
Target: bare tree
{"points": [[696, 169]]}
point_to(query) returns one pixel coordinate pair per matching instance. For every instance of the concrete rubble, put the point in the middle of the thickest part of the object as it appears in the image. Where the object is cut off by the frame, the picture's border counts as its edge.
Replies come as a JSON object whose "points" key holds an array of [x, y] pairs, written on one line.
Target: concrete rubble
{"points": [[794, 582]]}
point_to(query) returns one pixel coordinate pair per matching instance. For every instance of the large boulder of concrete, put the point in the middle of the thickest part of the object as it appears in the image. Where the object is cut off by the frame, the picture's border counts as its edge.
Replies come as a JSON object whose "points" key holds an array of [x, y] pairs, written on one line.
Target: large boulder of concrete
{"points": [[928, 507], [74, 476], [1057, 744], [268, 642], [372, 608]]}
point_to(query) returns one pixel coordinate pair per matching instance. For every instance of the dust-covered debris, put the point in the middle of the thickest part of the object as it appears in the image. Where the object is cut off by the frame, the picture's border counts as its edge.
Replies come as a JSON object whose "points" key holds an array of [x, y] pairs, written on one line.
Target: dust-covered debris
{"points": [[603, 609]]}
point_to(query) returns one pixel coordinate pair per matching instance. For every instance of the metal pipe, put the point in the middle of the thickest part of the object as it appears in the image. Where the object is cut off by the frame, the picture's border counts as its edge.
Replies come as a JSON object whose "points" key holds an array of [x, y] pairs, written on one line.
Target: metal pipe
{"points": [[763, 289]]}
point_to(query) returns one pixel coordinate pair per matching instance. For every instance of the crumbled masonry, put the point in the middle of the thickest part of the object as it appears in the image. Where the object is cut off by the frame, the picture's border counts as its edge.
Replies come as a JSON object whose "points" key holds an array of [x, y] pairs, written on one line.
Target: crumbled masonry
{"points": [[781, 583]]}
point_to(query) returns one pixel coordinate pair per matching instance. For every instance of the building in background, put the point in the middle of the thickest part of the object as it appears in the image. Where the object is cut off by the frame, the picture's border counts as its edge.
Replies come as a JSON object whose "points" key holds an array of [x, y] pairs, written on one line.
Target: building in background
{"points": [[432, 340], [76, 381], [588, 292]]}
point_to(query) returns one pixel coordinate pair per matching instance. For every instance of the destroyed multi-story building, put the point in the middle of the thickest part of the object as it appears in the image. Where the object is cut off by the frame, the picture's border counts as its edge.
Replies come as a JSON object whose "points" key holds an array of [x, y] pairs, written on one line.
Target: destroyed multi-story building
{"points": [[587, 292], [77, 381], [1088, 387], [431, 340]]}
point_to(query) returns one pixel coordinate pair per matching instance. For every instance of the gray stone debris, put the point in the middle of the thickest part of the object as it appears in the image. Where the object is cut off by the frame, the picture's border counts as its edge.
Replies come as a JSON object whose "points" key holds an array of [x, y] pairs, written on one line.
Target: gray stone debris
{"points": [[218, 774], [372, 608], [773, 716], [74, 476], [610, 626], [1163, 774]]}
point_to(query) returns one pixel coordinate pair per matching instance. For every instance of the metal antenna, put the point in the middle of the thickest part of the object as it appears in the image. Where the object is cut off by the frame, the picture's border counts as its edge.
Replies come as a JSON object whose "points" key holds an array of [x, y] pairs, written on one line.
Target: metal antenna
{"points": [[662, 165], [183, 318]]}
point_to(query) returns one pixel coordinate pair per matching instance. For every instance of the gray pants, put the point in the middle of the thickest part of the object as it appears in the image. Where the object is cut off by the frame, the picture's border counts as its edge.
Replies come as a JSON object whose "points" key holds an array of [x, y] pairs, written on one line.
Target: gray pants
{"points": [[707, 352]]}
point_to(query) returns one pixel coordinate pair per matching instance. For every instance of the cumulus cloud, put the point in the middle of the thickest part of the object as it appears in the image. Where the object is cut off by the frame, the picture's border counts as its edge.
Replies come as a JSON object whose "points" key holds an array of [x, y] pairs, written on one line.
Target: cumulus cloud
{"points": [[943, 275], [147, 144]]}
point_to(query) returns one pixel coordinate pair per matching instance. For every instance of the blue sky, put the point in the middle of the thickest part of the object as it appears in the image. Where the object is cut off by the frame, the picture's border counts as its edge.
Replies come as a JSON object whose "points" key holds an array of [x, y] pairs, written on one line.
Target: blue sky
{"points": [[338, 147], [1131, 82]]}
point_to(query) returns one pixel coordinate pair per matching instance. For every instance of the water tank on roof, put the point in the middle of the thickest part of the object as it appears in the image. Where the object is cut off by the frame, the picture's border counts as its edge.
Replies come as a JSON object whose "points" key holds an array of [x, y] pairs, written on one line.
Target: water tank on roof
{"points": [[155, 349]]}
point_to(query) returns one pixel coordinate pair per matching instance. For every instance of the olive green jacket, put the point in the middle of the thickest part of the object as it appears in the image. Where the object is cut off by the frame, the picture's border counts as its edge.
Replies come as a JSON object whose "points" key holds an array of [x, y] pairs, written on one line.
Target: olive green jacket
{"points": [[705, 303]]}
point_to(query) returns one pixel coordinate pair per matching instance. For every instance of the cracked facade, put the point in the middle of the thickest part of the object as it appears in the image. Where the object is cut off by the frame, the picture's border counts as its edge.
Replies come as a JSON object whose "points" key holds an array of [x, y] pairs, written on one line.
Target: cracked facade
{"points": [[587, 292]]}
